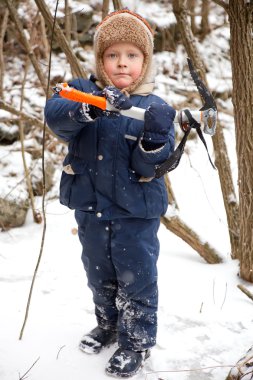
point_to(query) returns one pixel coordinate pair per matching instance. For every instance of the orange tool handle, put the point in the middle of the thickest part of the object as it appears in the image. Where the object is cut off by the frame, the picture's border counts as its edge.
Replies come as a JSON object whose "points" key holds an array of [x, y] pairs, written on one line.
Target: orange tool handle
{"points": [[82, 97]]}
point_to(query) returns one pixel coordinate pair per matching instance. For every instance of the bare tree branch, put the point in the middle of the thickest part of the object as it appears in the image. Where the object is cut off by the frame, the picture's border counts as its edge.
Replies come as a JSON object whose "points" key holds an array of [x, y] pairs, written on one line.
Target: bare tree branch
{"points": [[24, 375], [63, 43], [222, 3], [26, 44], [221, 155], [24, 116], [105, 8], [3, 28]]}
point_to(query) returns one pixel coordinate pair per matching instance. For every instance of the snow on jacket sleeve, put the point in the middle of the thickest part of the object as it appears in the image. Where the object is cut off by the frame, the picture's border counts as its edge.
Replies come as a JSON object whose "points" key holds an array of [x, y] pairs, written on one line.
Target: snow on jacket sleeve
{"points": [[65, 117]]}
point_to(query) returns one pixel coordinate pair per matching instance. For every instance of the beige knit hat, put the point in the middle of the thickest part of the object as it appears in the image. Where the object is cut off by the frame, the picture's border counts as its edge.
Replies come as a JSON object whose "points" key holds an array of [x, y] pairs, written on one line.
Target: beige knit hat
{"points": [[124, 26]]}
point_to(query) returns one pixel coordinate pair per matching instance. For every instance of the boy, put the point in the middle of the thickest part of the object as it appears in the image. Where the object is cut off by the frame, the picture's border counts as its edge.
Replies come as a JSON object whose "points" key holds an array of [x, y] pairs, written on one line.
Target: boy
{"points": [[107, 178]]}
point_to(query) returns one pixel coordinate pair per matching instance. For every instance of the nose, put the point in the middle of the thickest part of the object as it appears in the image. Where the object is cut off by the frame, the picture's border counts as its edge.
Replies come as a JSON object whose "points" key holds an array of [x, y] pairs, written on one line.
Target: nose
{"points": [[121, 61]]}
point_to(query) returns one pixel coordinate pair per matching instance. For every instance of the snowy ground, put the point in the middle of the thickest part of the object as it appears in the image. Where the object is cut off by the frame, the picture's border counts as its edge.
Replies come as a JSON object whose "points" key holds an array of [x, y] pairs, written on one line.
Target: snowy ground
{"points": [[204, 320]]}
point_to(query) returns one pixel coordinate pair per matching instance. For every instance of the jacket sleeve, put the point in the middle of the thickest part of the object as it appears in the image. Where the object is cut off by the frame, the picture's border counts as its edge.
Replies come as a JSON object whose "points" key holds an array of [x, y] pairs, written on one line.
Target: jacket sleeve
{"points": [[144, 162], [65, 117]]}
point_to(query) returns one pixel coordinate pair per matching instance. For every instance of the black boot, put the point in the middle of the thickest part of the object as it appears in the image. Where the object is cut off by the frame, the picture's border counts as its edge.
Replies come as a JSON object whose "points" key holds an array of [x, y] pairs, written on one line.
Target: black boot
{"points": [[126, 363], [96, 339]]}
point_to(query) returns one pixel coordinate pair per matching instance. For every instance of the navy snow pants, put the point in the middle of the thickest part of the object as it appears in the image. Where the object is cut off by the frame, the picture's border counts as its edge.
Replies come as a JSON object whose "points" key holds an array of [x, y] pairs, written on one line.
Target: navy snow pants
{"points": [[120, 258]]}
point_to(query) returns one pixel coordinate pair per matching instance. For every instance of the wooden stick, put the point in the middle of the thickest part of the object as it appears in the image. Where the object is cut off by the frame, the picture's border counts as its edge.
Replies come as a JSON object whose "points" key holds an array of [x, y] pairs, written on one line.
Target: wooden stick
{"points": [[179, 228], [245, 291]]}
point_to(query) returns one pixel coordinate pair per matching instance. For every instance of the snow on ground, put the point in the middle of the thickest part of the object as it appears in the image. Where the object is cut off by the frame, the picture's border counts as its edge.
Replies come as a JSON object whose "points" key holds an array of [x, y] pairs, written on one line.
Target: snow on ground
{"points": [[205, 321]]}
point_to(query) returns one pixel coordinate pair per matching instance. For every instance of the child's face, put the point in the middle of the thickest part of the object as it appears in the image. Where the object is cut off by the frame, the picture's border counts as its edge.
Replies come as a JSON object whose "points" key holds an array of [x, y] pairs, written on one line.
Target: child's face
{"points": [[123, 63]]}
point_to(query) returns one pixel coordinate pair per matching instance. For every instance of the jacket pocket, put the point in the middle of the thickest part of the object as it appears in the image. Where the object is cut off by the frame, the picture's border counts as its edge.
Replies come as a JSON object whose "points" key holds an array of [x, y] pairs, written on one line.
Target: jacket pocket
{"points": [[76, 188]]}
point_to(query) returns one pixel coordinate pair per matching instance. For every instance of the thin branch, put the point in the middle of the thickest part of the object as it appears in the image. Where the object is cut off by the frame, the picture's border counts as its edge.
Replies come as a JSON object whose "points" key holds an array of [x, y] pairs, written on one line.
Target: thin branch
{"points": [[117, 4], [36, 214], [105, 8], [222, 3], [3, 28], [43, 188], [189, 370], [245, 291], [59, 35], [24, 375], [67, 20], [57, 357], [26, 43], [24, 116]]}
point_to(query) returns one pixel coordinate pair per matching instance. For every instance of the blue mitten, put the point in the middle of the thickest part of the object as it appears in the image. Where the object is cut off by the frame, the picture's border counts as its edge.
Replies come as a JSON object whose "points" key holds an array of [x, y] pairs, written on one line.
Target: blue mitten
{"points": [[158, 120], [116, 98]]}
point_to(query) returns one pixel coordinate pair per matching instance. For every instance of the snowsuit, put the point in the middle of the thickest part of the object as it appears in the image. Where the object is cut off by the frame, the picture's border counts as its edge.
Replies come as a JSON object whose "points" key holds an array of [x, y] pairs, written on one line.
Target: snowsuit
{"points": [[118, 215]]}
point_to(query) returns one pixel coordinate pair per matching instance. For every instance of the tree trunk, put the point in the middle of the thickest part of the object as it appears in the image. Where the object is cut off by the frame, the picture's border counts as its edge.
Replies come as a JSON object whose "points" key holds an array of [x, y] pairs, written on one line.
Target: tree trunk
{"points": [[241, 28], [221, 155]]}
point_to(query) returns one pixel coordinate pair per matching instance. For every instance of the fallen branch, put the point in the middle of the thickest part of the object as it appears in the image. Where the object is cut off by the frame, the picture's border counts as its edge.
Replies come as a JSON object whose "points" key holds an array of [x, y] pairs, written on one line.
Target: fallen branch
{"points": [[245, 291], [179, 228], [24, 376]]}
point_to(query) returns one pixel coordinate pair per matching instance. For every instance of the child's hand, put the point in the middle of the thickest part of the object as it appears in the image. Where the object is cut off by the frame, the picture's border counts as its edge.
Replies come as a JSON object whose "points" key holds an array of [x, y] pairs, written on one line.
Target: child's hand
{"points": [[158, 120], [116, 98]]}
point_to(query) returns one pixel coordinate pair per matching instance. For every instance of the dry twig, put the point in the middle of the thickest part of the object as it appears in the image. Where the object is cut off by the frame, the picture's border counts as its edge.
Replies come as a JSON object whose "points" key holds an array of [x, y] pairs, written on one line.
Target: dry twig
{"points": [[24, 375], [245, 291]]}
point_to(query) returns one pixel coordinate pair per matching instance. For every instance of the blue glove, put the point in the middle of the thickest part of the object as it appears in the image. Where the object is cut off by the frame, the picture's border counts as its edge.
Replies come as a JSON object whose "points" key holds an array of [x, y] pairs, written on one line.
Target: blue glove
{"points": [[115, 97], [158, 120]]}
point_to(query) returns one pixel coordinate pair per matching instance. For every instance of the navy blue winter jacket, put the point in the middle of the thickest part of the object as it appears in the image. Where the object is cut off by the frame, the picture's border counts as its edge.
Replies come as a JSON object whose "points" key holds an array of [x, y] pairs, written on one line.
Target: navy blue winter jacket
{"points": [[105, 160]]}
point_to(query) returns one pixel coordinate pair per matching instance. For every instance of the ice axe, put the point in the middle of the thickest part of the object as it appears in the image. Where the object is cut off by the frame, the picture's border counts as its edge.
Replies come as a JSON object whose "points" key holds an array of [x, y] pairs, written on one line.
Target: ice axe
{"points": [[203, 119]]}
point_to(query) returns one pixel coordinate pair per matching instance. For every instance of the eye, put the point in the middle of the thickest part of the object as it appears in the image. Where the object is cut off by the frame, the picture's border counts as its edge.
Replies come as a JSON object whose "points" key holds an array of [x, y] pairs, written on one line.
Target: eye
{"points": [[111, 55], [132, 55]]}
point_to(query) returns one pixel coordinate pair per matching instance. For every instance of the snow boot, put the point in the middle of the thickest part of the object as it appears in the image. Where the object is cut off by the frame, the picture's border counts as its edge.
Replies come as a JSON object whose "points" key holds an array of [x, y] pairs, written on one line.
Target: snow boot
{"points": [[97, 339], [126, 363]]}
